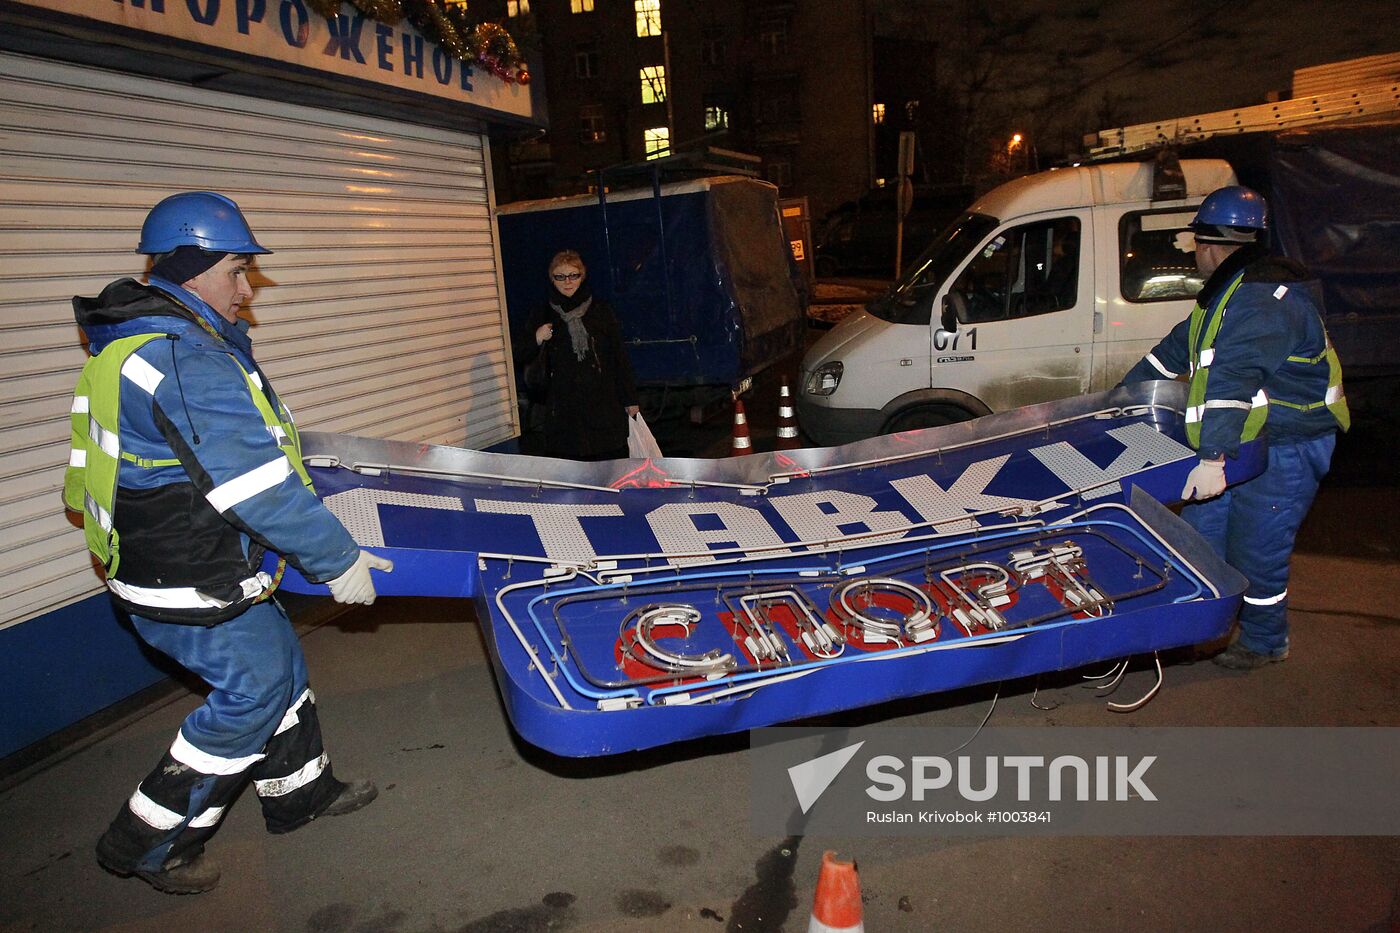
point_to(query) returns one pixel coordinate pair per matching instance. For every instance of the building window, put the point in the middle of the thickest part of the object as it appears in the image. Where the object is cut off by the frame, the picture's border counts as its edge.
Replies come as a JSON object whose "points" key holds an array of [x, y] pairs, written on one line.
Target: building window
{"points": [[877, 113], [517, 7], [712, 47], [779, 172], [658, 141], [580, 6], [773, 36], [653, 84], [716, 118], [648, 17], [586, 62], [590, 124], [778, 104]]}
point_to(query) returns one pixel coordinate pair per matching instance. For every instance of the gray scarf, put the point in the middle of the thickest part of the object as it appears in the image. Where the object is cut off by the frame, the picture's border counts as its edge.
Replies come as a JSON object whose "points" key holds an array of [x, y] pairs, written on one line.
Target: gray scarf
{"points": [[578, 334]]}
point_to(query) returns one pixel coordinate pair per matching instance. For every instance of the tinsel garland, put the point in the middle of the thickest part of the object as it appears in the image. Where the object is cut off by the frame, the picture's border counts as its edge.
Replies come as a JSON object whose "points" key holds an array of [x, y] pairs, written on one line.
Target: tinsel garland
{"points": [[448, 25]]}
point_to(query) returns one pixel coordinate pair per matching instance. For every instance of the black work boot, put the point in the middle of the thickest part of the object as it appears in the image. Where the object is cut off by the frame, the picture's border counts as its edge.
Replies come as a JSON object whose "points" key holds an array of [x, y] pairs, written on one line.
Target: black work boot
{"points": [[353, 796], [194, 876], [1239, 658]]}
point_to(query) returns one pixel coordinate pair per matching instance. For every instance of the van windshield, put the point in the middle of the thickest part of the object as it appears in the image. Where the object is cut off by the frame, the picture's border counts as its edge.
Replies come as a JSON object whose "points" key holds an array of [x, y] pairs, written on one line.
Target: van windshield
{"points": [[910, 301]]}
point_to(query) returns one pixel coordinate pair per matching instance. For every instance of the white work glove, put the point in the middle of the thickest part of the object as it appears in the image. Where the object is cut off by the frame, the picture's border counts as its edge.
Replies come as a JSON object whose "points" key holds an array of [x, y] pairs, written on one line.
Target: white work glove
{"points": [[355, 585], [543, 333], [1206, 480]]}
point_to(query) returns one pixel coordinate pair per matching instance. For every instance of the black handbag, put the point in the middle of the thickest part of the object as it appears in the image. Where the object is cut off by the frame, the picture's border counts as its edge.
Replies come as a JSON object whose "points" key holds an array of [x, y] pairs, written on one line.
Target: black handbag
{"points": [[537, 376]]}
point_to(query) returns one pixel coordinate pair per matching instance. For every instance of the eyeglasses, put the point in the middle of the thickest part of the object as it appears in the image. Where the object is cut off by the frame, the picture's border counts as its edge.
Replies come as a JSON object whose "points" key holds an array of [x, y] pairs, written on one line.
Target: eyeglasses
{"points": [[567, 276]]}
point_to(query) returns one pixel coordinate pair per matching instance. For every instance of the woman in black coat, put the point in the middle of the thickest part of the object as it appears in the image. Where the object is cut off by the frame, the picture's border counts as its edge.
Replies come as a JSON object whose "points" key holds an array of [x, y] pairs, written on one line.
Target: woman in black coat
{"points": [[579, 366]]}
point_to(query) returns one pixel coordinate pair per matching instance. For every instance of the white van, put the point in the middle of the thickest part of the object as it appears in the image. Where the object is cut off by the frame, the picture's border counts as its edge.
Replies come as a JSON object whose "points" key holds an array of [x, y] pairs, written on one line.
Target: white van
{"points": [[1050, 286]]}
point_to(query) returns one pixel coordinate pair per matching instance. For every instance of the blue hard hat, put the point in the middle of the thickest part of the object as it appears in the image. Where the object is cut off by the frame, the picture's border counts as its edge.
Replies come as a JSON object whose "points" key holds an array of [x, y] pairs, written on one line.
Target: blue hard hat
{"points": [[1233, 206], [197, 218]]}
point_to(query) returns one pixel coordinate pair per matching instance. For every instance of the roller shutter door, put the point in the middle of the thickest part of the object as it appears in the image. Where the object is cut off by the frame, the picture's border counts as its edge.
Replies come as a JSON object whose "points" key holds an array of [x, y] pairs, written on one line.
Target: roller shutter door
{"points": [[380, 313]]}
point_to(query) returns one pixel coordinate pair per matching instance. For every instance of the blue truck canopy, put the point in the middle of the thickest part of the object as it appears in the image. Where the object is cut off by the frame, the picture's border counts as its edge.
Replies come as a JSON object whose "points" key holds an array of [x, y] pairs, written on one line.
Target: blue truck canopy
{"points": [[698, 272], [1331, 191]]}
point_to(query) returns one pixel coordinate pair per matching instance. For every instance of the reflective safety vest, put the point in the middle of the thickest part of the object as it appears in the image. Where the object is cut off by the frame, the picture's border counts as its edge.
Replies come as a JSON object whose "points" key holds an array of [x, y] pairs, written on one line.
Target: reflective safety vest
{"points": [[1205, 325], [90, 483]]}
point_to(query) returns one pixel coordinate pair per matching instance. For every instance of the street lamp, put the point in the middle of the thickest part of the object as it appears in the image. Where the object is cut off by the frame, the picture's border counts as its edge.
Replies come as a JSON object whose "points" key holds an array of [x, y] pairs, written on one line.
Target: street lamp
{"points": [[1031, 159]]}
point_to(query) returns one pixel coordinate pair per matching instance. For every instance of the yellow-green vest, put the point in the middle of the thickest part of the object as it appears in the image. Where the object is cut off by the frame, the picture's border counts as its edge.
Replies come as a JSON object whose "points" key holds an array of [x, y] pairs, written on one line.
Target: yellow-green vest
{"points": [[1200, 349], [90, 483]]}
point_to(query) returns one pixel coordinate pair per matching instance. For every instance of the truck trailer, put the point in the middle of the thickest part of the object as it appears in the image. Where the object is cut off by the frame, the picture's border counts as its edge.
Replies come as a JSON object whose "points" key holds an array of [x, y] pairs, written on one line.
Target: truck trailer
{"points": [[698, 272]]}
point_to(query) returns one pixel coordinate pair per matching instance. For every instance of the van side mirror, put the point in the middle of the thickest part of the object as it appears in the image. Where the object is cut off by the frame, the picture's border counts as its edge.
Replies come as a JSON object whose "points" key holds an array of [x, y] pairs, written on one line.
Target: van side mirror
{"points": [[954, 311]]}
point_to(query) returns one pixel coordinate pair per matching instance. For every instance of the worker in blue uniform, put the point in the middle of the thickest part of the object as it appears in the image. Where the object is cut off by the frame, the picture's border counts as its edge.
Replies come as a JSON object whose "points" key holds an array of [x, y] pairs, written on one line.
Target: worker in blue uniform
{"points": [[1255, 350], [186, 468]]}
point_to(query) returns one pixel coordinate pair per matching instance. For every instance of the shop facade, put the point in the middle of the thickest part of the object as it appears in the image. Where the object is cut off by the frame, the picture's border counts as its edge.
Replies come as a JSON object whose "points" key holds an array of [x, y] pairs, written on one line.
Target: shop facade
{"points": [[359, 153]]}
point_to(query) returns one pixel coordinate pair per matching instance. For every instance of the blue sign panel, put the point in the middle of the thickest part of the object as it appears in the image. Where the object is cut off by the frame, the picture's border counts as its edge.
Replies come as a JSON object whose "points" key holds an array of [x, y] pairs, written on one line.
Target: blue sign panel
{"points": [[595, 664], [635, 603]]}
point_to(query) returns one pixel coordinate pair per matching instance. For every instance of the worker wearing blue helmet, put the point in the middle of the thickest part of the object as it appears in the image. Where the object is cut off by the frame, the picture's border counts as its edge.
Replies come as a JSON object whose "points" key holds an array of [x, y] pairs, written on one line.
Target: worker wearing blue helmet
{"points": [[1256, 352], [186, 469]]}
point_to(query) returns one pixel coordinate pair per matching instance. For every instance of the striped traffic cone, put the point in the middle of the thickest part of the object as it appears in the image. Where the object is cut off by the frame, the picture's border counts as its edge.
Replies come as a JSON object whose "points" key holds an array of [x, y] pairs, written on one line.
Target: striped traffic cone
{"points": [[836, 907], [787, 421], [743, 443]]}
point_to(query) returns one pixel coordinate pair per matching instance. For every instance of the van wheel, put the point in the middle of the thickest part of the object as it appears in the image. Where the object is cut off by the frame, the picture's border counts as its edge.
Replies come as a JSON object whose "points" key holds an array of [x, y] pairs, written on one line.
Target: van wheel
{"points": [[926, 416]]}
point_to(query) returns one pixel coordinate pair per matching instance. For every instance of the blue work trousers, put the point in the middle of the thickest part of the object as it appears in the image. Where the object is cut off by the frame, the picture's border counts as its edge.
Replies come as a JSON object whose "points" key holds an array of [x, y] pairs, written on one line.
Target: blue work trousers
{"points": [[258, 721], [255, 666], [1252, 526]]}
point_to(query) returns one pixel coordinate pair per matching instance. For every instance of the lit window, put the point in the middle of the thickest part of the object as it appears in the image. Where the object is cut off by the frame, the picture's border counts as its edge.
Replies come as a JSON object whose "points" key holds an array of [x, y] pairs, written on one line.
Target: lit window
{"points": [[648, 17], [877, 113], [716, 118], [517, 7], [653, 84], [580, 6], [658, 141], [590, 124], [586, 62]]}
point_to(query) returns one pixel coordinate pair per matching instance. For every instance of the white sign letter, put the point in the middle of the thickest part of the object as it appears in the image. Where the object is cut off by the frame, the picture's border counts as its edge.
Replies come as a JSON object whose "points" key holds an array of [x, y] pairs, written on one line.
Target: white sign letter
{"points": [[680, 529], [830, 516], [358, 510], [966, 494], [1144, 445], [557, 524]]}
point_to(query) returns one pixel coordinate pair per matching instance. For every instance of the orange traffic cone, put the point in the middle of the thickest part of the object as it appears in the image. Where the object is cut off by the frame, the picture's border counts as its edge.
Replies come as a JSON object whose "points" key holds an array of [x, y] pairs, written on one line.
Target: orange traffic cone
{"points": [[836, 907], [743, 443], [787, 421]]}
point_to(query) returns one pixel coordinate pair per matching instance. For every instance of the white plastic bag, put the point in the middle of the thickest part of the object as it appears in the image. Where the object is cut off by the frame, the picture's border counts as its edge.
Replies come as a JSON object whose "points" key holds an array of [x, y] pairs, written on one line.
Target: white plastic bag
{"points": [[640, 441]]}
